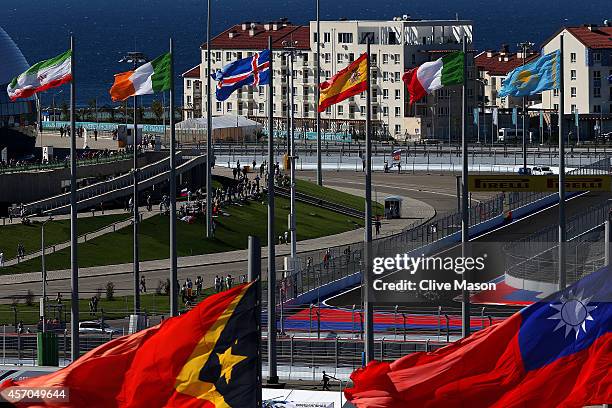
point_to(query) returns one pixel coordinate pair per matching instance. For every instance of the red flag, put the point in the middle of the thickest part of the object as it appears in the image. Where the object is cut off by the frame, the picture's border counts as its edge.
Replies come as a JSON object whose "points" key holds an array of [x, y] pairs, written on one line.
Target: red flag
{"points": [[204, 358], [555, 353]]}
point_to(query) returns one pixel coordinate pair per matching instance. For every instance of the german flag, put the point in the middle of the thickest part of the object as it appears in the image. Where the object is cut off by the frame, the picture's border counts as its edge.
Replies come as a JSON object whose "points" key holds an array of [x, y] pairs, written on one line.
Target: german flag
{"points": [[204, 358], [350, 81]]}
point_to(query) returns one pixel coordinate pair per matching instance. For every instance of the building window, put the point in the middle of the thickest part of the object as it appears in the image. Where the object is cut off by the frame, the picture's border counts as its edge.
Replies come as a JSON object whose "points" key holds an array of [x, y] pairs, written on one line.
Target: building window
{"points": [[385, 76], [340, 58], [374, 61], [573, 74], [397, 76], [397, 94], [573, 91], [340, 110], [385, 59], [327, 57], [597, 57], [189, 84], [239, 55], [596, 75], [385, 93], [260, 90], [306, 109], [261, 108], [398, 129], [240, 107], [345, 38], [556, 106], [228, 56], [374, 110], [555, 92], [397, 58], [305, 91], [393, 38], [274, 107], [188, 99], [362, 110], [326, 37], [398, 112], [351, 57], [573, 57], [219, 107], [328, 110], [573, 109], [596, 108], [229, 107], [385, 111], [597, 92]]}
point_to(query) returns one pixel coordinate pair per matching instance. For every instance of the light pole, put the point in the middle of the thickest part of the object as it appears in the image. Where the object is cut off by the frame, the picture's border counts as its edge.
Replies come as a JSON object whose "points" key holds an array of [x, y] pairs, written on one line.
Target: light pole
{"points": [[44, 273], [290, 52], [53, 107], [135, 58], [525, 46]]}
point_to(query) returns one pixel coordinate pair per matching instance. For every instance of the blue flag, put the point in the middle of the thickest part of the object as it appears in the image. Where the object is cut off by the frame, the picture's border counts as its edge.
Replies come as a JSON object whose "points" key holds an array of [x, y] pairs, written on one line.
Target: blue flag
{"points": [[533, 78], [251, 71]]}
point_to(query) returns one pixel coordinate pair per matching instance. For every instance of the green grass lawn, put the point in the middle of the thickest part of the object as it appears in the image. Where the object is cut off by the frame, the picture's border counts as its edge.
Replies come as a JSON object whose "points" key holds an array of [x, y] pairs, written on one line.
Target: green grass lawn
{"points": [[55, 232], [119, 307], [231, 234], [335, 196]]}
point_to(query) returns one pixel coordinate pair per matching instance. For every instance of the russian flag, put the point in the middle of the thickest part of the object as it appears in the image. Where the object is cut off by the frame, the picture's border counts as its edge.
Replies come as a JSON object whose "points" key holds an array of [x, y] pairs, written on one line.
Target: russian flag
{"points": [[555, 353]]}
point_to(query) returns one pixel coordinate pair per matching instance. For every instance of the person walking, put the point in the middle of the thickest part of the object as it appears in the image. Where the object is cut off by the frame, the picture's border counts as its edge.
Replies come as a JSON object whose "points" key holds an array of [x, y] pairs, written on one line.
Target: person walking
{"points": [[1, 259], [326, 382], [143, 285]]}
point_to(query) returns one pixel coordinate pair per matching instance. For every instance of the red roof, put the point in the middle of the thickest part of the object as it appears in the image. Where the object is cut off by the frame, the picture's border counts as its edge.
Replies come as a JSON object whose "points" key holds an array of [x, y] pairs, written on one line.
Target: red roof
{"points": [[594, 37], [500, 63], [193, 72], [242, 39]]}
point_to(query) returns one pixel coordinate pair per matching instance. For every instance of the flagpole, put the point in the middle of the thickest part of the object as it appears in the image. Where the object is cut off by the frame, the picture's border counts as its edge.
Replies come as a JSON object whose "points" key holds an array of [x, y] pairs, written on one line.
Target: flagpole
{"points": [[369, 324], [209, 233], [272, 373], [136, 215], [74, 267], [318, 94], [173, 260], [562, 230], [465, 304]]}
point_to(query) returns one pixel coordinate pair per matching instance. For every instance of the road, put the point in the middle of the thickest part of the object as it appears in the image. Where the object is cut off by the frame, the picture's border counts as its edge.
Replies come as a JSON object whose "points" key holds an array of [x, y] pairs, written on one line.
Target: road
{"points": [[508, 233], [437, 191]]}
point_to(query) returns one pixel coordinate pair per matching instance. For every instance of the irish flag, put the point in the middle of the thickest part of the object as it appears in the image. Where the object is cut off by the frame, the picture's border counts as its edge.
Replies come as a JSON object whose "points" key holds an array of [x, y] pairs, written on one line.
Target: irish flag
{"points": [[149, 78], [42, 76], [434, 75]]}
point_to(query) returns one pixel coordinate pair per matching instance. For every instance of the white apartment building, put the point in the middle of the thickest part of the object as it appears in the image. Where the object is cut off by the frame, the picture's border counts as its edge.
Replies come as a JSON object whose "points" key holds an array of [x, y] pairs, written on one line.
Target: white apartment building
{"points": [[587, 66], [192, 93], [396, 46]]}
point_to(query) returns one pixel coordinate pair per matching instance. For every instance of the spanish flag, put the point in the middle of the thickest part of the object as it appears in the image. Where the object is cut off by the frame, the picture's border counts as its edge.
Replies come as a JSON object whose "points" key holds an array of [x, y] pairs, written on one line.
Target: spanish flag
{"points": [[206, 357], [350, 81]]}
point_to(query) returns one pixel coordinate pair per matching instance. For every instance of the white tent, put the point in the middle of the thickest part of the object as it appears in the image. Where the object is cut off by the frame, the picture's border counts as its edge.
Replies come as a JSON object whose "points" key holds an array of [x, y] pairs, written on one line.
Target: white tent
{"points": [[226, 128]]}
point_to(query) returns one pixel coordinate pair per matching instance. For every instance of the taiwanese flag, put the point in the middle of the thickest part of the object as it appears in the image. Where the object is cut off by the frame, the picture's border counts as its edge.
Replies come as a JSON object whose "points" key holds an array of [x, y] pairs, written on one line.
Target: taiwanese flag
{"points": [[204, 358], [555, 353]]}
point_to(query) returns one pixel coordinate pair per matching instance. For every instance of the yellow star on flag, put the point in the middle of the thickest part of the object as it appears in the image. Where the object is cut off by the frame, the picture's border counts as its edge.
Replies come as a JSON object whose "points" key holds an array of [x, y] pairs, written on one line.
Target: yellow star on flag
{"points": [[227, 360]]}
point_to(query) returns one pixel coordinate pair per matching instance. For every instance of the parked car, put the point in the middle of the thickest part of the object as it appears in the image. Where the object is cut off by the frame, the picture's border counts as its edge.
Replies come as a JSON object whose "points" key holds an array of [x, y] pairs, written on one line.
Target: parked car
{"points": [[96, 327], [524, 171], [541, 171]]}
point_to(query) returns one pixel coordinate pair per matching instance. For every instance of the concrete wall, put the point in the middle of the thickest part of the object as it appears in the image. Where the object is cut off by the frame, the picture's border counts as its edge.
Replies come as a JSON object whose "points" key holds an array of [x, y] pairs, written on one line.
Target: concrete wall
{"points": [[25, 187]]}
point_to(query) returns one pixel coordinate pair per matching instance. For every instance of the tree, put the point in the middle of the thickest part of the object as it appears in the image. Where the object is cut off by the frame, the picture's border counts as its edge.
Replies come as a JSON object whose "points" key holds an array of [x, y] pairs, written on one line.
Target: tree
{"points": [[65, 110], [158, 110]]}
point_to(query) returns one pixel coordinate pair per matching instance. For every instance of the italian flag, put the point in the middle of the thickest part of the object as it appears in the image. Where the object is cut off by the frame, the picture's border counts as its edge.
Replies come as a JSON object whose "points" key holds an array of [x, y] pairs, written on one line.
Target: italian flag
{"points": [[42, 76], [149, 78], [434, 75]]}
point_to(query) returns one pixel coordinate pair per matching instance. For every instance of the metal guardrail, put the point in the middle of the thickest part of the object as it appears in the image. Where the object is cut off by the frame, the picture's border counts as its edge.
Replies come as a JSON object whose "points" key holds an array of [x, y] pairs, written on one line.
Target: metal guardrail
{"points": [[64, 165], [305, 198]]}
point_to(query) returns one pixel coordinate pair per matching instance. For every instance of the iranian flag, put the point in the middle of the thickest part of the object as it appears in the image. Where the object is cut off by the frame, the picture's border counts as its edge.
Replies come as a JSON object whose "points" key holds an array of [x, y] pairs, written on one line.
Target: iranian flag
{"points": [[147, 79], [42, 76], [434, 75]]}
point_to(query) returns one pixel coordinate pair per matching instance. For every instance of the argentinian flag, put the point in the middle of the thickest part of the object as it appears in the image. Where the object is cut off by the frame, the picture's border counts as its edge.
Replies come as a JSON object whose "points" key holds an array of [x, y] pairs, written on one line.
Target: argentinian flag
{"points": [[533, 78]]}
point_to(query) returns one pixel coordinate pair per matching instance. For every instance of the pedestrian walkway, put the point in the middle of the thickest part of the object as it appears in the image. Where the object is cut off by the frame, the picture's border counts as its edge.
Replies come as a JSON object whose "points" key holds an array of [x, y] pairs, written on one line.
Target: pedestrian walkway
{"points": [[389, 227], [144, 214]]}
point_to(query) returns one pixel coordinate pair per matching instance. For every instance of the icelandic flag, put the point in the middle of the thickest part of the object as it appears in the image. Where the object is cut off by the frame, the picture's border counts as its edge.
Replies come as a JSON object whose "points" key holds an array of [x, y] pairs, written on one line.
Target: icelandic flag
{"points": [[555, 353], [251, 71]]}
